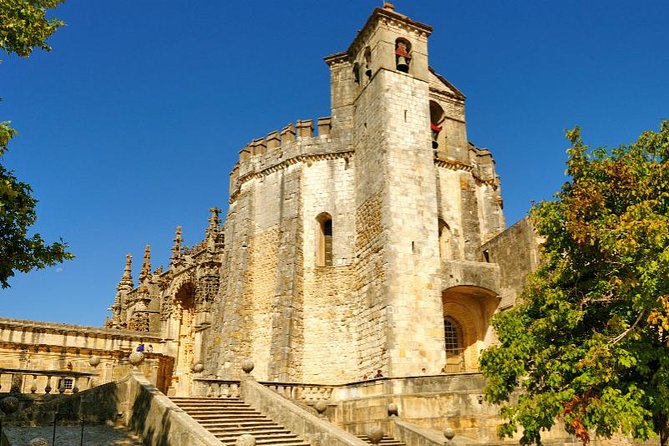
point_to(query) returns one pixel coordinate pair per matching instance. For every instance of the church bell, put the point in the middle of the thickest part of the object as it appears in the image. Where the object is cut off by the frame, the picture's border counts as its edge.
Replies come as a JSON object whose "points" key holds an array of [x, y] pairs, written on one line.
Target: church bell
{"points": [[402, 64]]}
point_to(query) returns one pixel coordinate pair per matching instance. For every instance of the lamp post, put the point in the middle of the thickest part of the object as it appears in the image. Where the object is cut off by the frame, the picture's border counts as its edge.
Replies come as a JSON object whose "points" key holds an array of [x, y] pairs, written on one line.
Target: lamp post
{"points": [[82, 415], [54, 419]]}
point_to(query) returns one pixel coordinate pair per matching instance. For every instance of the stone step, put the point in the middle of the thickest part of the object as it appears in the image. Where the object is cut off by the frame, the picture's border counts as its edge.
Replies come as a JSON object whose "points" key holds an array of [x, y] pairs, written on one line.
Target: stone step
{"points": [[228, 418], [228, 401], [258, 435], [265, 433], [221, 403], [217, 409], [239, 423], [385, 441]]}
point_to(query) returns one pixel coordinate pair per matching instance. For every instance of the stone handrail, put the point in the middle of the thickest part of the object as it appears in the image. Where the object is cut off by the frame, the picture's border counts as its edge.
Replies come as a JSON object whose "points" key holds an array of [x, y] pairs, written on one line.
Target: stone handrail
{"points": [[42, 381], [157, 419], [311, 428], [416, 435]]}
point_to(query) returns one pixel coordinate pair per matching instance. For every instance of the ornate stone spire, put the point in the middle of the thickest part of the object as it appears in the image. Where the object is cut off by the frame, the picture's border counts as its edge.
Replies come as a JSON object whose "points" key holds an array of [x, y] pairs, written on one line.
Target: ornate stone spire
{"points": [[146, 266], [176, 248], [213, 229], [214, 222], [125, 284]]}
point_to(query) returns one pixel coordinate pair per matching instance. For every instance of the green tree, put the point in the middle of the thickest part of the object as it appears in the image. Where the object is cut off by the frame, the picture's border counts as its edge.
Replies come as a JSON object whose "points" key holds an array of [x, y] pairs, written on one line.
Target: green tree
{"points": [[23, 27], [588, 345]]}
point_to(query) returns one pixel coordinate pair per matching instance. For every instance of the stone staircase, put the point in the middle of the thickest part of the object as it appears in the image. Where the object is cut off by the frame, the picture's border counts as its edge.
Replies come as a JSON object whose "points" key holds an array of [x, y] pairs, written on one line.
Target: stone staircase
{"points": [[228, 418], [385, 441]]}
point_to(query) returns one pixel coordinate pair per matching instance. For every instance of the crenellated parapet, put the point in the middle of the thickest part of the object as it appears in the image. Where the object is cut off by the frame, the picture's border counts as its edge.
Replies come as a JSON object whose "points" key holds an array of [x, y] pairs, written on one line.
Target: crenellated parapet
{"points": [[295, 143]]}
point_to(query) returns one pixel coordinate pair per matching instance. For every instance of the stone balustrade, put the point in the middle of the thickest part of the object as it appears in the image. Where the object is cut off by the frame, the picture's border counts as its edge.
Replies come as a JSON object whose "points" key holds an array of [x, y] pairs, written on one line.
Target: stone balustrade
{"points": [[308, 393], [216, 388], [44, 381], [221, 388]]}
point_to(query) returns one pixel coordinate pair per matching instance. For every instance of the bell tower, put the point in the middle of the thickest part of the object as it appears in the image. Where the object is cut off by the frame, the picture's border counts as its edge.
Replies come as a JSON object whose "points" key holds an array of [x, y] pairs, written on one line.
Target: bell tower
{"points": [[380, 93]]}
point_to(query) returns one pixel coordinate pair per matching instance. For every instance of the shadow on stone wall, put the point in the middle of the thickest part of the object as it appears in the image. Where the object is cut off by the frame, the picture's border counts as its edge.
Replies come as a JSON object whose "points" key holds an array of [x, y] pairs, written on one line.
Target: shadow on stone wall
{"points": [[153, 433], [99, 406]]}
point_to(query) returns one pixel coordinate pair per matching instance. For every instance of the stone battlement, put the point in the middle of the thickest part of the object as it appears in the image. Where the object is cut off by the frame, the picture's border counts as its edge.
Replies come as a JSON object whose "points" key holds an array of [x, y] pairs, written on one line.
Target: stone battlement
{"points": [[293, 143]]}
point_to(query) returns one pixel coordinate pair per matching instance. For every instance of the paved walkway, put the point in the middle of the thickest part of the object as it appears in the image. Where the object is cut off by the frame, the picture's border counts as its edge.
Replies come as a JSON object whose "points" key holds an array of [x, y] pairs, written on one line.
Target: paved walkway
{"points": [[94, 435]]}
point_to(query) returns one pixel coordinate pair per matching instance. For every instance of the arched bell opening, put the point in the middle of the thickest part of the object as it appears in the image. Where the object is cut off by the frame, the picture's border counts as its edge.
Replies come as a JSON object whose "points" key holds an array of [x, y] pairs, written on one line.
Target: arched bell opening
{"points": [[446, 249], [368, 62], [402, 55], [437, 117], [356, 73], [467, 311]]}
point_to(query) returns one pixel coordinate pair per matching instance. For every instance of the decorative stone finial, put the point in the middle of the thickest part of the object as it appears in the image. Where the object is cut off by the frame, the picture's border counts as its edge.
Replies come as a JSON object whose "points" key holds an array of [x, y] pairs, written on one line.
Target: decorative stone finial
{"points": [[247, 366], [146, 265], [245, 440], [136, 358], [125, 284], [389, 6], [214, 220], [375, 435], [449, 434], [176, 248], [198, 368], [94, 361], [213, 229], [320, 406], [392, 410]]}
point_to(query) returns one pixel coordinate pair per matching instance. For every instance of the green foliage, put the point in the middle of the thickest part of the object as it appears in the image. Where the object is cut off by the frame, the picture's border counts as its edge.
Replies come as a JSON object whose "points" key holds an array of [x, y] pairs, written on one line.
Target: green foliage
{"points": [[18, 251], [588, 345], [23, 26]]}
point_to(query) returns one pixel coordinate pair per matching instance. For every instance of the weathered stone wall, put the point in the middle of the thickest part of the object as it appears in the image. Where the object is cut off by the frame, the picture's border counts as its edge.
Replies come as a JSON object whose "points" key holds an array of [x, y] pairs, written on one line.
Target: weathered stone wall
{"points": [[411, 254], [328, 310], [270, 257], [370, 232], [516, 251], [431, 401]]}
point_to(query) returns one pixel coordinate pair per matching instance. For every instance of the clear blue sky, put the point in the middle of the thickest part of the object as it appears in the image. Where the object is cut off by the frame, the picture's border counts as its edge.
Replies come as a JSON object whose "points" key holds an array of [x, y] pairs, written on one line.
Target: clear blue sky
{"points": [[130, 126]]}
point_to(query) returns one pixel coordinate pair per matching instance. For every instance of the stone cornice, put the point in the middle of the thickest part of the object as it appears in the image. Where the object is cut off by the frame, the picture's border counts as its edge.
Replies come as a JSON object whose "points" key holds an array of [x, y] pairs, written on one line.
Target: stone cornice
{"points": [[389, 17], [337, 58], [64, 329], [458, 165], [305, 158]]}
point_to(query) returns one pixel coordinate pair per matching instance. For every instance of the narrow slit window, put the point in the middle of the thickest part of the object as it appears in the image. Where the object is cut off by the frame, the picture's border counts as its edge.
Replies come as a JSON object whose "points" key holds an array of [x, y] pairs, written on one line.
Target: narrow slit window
{"points": [[324, 248]]}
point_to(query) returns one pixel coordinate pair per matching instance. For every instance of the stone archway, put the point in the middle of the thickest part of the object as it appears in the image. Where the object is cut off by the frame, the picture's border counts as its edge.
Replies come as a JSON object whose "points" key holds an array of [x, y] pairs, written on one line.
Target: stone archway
{"points": [[183, 316], [467, 312]]}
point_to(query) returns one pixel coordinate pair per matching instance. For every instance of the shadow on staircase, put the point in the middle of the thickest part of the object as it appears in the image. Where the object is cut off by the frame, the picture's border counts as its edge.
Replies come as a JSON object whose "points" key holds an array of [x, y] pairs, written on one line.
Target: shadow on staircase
{"points": [[229, 418]]}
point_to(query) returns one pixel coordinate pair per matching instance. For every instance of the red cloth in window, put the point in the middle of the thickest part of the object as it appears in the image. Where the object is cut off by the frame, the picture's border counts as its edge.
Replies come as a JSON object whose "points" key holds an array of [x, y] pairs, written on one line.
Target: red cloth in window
{"points": [[401, 51], [435, 127]]}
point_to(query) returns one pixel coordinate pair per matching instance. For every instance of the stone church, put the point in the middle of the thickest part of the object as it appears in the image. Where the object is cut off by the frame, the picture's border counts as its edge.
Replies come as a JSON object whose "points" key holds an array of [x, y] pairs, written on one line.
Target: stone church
{"points": [[372, 240], [365, 247]]}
